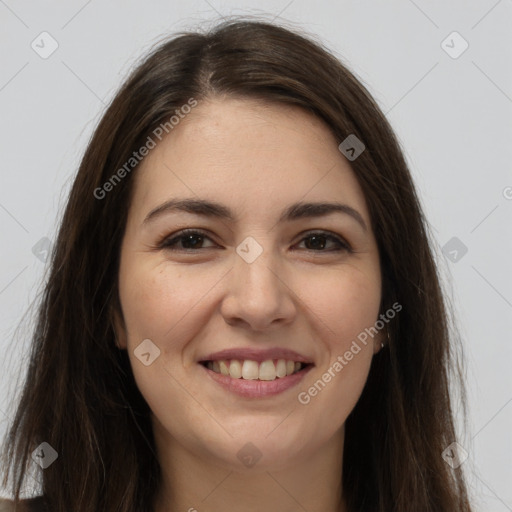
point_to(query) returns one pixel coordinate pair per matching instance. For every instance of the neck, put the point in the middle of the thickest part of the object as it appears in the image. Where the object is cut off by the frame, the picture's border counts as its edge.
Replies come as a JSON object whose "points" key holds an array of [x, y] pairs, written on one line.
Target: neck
{"points": [[195, 484]]}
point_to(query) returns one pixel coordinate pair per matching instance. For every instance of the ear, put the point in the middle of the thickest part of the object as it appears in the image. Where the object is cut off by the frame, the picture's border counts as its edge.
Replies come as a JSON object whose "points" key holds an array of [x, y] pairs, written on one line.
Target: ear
{"points": [[378, 340], [119, 327]]}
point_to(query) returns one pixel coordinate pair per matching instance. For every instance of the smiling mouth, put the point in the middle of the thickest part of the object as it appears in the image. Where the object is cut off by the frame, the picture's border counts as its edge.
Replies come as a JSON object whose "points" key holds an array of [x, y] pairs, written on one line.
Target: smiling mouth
{"points": [[268, 370]]}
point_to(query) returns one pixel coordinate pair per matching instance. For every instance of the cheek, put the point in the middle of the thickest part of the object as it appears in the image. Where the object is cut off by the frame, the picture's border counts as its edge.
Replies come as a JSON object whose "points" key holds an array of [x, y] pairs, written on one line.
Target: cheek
{"points": [[344, 305], [345, 302], [167, 306], [163, 303]]}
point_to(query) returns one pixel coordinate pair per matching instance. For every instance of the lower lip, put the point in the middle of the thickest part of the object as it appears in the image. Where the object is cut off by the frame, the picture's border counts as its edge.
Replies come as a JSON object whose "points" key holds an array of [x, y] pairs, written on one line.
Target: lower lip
{"points": [[257, 388]]}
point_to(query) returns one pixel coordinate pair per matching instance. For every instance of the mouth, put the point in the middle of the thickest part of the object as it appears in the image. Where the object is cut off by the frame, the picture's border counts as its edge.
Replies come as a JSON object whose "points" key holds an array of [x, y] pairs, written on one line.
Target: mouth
{"points": [[256, 373], [268, 370]]}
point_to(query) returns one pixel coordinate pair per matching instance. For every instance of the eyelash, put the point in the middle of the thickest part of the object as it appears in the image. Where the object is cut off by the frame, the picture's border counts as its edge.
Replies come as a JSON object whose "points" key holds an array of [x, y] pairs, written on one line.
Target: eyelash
{"points": [[169, 243]]}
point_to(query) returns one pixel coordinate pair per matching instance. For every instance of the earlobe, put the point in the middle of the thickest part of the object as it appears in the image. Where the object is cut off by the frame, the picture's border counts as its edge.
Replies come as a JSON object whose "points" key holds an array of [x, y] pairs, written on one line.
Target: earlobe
{"points": [[378, 345], [380, 341]]}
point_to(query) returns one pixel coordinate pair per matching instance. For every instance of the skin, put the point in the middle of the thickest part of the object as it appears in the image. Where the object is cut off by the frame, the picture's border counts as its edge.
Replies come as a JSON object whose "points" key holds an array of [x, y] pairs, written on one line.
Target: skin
{"points": [[256, 159]]}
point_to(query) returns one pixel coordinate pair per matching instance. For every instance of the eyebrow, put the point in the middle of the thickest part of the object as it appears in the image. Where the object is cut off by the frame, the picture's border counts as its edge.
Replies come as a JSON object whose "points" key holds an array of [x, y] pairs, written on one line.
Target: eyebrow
{"points": [[213, 209]]}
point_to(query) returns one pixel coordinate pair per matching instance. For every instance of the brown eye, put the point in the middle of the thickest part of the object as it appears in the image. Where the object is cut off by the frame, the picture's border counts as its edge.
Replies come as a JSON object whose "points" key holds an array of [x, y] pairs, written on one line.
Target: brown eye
{"points": [[187, 240], [318, 242]]}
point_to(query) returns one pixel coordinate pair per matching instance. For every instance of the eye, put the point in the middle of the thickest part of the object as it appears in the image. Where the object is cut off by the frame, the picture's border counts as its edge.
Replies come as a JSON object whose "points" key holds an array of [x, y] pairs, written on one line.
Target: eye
{"points": [[186, 240], [319, 240], [192, 240]]}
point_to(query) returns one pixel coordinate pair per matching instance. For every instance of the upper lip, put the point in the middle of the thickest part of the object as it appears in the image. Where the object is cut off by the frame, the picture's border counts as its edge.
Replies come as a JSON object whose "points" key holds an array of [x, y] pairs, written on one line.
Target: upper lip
{"points": [[255, 354]]}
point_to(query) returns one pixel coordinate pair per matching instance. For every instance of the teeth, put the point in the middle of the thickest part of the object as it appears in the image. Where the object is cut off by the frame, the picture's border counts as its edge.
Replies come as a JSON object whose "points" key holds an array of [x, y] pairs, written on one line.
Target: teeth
{"points": [[281, 368], [267, 370], [224, 368], [235, 369], [252, 370]]}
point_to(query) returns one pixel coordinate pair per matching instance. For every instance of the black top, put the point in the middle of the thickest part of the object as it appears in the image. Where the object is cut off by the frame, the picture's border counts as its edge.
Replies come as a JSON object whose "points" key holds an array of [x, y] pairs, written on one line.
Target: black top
{"points": [[29, 505]]}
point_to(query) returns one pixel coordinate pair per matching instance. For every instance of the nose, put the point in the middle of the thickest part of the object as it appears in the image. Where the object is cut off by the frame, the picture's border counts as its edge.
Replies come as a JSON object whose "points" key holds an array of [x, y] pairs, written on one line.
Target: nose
{"points": [[258, 295]]}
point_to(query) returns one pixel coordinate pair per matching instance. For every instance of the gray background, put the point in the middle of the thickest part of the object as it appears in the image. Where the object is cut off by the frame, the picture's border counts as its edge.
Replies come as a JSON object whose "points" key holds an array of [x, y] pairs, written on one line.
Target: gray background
{"points": [[452, 115]]}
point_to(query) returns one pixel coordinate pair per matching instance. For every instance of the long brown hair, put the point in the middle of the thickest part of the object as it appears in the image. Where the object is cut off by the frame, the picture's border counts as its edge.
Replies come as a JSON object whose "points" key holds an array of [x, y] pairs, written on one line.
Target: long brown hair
{"points": [[79, 394]]}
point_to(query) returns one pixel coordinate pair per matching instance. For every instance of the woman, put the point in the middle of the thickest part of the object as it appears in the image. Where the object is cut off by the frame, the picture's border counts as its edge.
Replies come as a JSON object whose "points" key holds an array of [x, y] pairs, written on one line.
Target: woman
{"points": [[243, 310]]}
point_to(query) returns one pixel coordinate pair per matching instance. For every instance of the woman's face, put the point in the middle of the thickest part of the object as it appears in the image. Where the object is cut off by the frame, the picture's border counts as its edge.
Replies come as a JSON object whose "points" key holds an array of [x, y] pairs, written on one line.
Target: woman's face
{"points": [[266, 283]]}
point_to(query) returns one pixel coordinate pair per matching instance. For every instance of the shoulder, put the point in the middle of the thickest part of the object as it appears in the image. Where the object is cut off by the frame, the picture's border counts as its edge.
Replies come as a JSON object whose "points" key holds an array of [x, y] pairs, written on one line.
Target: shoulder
{"points": [[29, 505], [6, 505]]}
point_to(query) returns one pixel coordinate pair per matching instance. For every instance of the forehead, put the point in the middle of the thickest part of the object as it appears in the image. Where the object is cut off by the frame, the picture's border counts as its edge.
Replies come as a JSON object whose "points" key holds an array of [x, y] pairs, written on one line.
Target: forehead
{"points": [[254, 155]]}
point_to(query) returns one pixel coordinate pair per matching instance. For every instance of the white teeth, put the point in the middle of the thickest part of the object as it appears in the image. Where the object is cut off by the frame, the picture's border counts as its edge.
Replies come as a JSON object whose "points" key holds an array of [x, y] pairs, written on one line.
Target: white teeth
{"points": [[281, 368], [252, 370], [235, 369], [224, 368], [267, 370]]}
